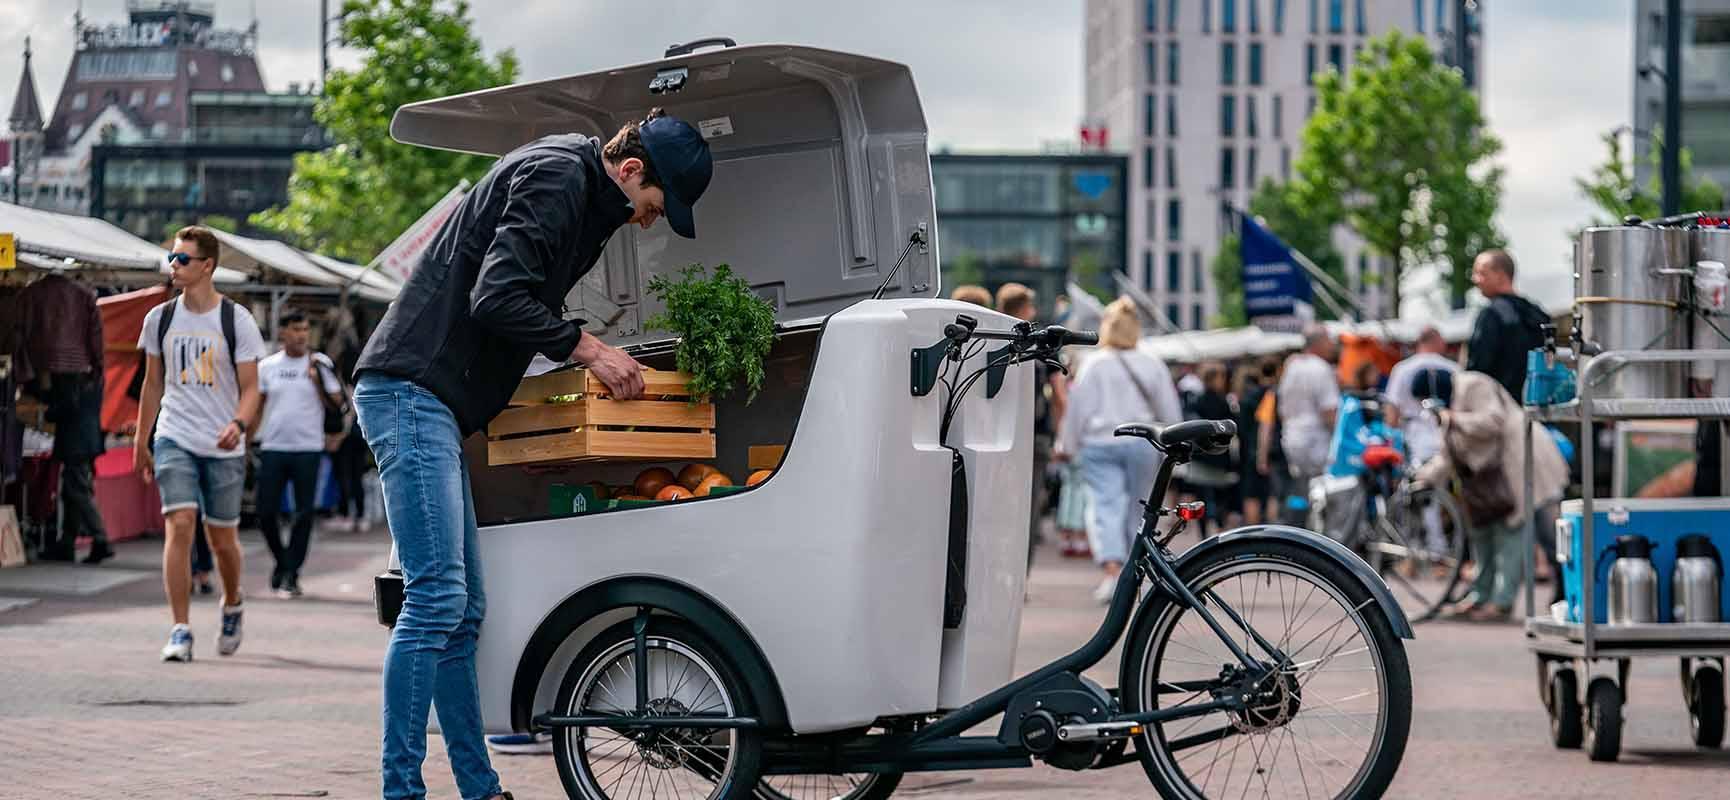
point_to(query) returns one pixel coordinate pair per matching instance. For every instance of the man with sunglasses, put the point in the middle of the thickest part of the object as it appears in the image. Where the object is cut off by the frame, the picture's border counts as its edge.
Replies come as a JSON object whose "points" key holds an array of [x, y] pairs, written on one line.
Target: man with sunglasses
{"points": [[201, 374]]}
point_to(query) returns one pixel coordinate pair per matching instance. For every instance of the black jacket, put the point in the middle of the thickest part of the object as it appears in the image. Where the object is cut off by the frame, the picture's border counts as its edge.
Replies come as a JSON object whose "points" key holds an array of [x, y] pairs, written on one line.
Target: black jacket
{"points": [[489, 292], [1505, 331]]}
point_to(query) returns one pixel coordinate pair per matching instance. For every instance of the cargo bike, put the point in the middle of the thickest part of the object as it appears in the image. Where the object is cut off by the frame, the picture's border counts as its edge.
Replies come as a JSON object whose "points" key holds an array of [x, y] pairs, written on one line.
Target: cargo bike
{"points": [[854, 617]]}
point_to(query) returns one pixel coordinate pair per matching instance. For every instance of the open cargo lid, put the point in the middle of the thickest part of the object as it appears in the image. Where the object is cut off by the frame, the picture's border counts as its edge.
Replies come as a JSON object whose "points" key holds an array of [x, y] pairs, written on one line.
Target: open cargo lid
{"points": [[821, 173]]}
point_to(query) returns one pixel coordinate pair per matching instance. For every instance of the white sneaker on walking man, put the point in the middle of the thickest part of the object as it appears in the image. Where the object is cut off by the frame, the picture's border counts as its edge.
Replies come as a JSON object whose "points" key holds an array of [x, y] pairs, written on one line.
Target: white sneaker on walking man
{"points": [[201, 374]]}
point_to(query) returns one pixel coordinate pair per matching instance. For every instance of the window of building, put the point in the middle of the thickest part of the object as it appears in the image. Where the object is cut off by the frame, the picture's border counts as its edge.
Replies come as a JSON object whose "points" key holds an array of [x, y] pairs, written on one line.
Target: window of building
{"points": [[1310, 108], [1197, 279], [1337, 57], [1285, 163], [1309, 63], [159, 130], [1249, 169], [1278, 118], [227, 73], [1147, 111], [1255, 63], [1171, 115], [1336, 16], [1441, 18], [1359, 23], [1249, 124], [137, 98], [192, 66], [1711, 29], [1228, 16], [1147, 167], [1174, 220], [1172, 57], [1152, 55], [1206, 16], [1170, 168], [1313, 28], [80, 101], [1228, 168], [1200, 320], [164, 98], [1150, 14], [1227, 63], [1254, 15], [74, 132], [1171, 15], [1173, 274], [1279, 16], [1227, 115], [1171, 314], [1147, 270]]}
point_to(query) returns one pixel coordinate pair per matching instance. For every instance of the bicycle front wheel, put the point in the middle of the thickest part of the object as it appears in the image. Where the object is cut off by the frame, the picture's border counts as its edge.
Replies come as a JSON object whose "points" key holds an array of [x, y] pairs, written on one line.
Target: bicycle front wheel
{"points": [[1330, 721], [1420, 549]]}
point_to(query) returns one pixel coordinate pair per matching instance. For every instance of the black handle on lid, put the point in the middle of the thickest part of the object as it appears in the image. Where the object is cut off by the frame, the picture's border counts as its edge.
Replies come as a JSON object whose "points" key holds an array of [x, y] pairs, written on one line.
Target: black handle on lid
{"points": [[690, 47]]}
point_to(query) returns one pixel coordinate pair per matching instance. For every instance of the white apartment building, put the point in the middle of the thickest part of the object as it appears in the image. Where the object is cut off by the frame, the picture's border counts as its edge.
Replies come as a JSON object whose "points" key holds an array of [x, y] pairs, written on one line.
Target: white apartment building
{"points": [[1208, 97]]}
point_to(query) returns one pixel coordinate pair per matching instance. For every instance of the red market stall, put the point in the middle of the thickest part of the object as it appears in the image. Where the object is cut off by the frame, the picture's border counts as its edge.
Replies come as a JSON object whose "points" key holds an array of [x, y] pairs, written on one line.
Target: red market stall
{"points": [[129, 504]]}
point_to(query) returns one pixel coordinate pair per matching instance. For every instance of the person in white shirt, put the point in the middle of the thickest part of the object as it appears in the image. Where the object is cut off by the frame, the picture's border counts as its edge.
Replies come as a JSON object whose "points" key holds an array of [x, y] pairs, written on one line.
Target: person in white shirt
{"points": [[1411, 381], [1309, 399], [1118, 385], [298, 385], [201, 374]]}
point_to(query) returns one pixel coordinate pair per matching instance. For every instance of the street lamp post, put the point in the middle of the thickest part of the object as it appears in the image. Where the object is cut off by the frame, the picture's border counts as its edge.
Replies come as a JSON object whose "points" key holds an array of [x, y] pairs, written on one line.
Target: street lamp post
{"points": [[1672, 163]]}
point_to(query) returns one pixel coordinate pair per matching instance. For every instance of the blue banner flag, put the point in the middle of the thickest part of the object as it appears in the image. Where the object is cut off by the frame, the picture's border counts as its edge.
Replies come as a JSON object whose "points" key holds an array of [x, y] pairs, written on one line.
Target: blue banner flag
{"points": [[1273, 283]]}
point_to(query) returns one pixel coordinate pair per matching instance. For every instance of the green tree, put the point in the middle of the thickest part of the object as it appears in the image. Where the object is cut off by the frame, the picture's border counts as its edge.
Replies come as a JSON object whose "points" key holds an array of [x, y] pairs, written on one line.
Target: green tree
{"points": [[1087, 271], [351, 200], [1611, 187], [963, 269], [1399, 151], [1276, 206]]}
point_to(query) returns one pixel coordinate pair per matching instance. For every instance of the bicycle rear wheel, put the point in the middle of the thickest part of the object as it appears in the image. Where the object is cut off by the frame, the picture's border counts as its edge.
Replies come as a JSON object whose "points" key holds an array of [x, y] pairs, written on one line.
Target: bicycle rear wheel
{"points": [[1419, 548]]}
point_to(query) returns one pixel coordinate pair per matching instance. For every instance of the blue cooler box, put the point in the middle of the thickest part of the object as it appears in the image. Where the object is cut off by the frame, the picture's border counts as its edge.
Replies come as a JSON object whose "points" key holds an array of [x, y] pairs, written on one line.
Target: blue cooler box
{"points": [[1662, 521]]}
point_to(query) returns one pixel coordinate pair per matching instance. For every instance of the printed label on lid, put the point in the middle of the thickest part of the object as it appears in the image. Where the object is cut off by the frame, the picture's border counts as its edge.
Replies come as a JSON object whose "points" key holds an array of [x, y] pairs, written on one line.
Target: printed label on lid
{"points": [[719, 126]]}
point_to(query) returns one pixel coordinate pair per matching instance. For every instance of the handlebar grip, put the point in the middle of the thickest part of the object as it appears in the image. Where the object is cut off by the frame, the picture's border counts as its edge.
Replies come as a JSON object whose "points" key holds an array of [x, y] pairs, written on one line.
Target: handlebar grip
{"points": [[1081, 337]]}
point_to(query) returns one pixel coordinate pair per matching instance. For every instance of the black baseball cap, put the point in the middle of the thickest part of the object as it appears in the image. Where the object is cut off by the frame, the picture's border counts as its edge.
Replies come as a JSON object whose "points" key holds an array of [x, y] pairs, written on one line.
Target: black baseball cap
{"points": [[680, 158]]}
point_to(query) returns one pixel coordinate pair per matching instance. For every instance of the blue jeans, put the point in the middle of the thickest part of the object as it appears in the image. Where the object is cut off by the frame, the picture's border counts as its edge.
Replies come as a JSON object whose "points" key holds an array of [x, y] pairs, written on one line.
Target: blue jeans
{"points": [[431, 514], [1118, 474]]}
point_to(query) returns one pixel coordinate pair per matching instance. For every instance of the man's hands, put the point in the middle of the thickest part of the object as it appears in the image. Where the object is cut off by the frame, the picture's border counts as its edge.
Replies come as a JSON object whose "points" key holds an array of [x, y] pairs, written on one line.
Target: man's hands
{"points": [[142, 463], [230, 437], [621, 373]]}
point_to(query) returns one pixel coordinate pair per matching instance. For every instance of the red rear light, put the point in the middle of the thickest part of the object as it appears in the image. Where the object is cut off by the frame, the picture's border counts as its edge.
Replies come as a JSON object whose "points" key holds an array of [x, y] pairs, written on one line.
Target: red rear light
{"points": [[1190, 512]]}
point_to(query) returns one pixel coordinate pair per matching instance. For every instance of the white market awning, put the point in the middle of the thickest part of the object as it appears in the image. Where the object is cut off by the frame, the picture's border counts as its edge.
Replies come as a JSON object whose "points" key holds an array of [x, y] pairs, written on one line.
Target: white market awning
{"points": [[256, 256], [48, 240], [368, 283]]}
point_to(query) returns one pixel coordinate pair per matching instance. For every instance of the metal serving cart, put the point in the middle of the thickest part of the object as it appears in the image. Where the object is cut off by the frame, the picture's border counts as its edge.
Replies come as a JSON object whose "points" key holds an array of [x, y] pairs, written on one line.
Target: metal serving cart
{"points": [[1583, 664]]}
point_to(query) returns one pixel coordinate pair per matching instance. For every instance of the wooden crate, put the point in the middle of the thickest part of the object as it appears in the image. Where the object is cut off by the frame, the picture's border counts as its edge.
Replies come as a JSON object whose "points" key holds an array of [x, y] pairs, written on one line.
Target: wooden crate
{"points": [[664, 426]]}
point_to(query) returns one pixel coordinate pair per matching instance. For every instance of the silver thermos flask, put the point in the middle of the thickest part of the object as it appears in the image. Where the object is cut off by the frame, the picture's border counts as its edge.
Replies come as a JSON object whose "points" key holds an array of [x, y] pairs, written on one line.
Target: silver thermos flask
{"points": [[1696, 581], [1633, 581]]}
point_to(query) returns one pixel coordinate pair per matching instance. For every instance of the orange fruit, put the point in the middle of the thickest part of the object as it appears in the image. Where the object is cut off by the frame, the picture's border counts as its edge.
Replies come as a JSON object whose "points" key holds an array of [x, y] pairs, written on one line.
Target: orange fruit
{"points": [[711, 481], [673, 492], [652, 480], [693, 474]]}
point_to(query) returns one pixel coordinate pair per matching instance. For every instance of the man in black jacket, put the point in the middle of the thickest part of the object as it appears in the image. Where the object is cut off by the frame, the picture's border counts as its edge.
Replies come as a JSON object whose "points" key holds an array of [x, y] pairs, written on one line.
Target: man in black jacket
{"points": [[1507, 329], [486, 297]]}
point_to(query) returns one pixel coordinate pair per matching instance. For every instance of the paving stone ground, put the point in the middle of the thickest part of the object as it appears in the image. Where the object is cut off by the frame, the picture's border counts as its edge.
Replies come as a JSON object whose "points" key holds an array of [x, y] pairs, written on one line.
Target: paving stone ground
{"points": [[87, 711]]}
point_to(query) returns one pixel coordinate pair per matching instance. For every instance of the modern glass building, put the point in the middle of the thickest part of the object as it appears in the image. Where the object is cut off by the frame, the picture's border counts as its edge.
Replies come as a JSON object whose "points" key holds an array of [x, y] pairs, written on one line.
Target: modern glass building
{"points": [[1040, 220]]}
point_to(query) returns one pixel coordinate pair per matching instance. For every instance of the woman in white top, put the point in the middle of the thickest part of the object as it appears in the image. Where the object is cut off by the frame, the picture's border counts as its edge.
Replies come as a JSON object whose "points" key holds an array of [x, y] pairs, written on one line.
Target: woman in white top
{"points": [[1119, 385]]}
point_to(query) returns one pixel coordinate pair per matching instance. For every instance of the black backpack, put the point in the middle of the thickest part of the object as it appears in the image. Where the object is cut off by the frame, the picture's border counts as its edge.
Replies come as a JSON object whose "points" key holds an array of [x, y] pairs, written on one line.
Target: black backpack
{"points": [[136, 390]]}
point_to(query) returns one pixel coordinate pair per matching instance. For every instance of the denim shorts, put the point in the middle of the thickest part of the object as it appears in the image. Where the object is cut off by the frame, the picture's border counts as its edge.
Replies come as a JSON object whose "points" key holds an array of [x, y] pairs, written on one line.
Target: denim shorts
{"points": [[213, 485]]}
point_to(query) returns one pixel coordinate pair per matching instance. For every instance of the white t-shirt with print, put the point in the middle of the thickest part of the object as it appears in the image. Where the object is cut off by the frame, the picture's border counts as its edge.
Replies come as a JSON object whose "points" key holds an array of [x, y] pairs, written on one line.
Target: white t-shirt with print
{"points": [[293, 411], [200, 391]]}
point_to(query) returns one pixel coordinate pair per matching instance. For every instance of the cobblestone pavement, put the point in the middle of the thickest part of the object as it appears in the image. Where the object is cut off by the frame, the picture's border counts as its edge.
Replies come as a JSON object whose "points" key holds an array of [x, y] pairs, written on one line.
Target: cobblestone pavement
{"points": [[87, 711]]}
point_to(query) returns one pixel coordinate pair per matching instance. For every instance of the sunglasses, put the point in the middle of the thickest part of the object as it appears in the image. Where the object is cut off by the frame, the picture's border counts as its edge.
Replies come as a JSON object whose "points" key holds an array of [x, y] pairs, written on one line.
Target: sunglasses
{"points": [[183, 258]]}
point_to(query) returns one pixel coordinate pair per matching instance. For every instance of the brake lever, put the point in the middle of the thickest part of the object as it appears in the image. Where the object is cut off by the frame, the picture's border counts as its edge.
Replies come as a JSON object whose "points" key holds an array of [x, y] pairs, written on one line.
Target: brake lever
{"points": [[1055, 364]]}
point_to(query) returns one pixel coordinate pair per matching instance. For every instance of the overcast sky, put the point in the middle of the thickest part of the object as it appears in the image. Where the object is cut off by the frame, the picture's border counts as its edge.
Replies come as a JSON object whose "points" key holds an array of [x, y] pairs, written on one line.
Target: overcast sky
{"points": [[993, 74]]}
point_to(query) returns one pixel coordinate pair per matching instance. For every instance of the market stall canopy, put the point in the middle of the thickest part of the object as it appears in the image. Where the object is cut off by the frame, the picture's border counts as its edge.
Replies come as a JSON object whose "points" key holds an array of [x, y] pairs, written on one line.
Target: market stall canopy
{"points": [[256, 257], [821, 174], [368, 283], [48, 240]]}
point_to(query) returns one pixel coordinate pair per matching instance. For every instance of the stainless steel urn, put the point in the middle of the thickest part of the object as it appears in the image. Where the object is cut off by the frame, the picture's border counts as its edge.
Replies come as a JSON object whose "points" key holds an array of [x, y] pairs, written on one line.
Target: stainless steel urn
{"points": [[1696, 581], [1633, 582], [1620, 275]]}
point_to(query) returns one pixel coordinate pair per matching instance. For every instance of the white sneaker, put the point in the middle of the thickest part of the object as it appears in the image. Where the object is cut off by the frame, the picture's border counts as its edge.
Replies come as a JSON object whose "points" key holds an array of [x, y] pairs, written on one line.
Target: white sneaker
{"points": [[1107, 588], [179, 647], [231, 630]]}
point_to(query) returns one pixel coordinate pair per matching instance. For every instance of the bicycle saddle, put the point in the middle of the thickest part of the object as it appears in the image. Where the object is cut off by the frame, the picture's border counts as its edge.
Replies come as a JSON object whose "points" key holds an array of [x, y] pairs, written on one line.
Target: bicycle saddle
{"points": [[1211, 436]]}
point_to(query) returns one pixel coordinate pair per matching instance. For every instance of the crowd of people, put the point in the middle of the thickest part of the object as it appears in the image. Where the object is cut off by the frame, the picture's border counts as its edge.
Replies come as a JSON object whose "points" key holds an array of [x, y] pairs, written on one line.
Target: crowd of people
{"points": [[1458, 418]]}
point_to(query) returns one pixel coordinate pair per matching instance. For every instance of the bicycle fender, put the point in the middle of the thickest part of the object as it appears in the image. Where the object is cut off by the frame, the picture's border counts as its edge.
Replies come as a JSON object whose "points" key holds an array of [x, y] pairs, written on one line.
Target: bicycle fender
{"points": [[1321, 545]]}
